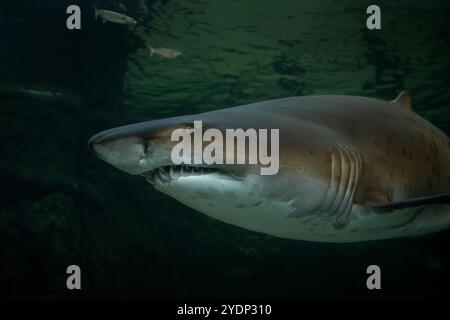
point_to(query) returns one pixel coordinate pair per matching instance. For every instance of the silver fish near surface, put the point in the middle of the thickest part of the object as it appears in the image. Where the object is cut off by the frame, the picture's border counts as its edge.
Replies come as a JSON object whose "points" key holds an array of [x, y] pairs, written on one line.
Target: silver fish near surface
{"points": [[164, 52], [350, 168], [114, 17]]}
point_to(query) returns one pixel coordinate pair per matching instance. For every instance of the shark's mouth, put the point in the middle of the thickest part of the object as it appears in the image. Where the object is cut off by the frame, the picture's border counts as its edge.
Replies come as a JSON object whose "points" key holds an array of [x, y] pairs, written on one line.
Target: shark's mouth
{"points": [[166, 174]]}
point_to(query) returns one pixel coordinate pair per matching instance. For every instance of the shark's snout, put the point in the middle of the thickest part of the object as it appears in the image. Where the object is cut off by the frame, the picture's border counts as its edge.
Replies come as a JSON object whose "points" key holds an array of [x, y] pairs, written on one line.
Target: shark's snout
{"points": [[125, 152], [96, 141], [99, 142], [93, 141], [110, 135]]}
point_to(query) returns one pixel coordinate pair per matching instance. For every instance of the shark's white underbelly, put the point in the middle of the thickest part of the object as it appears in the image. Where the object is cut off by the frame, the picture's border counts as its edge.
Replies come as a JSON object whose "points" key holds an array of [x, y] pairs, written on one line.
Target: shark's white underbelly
{"points": [[255, 212]]}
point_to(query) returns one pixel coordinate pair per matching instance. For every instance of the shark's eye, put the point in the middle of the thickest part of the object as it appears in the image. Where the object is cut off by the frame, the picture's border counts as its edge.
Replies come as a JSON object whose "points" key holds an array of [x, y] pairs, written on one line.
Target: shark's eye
{"points": [[190, 129]]}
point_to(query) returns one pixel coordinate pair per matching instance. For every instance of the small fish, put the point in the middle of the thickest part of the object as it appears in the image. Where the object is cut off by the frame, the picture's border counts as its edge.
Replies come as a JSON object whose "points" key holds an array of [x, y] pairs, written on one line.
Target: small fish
{"points": [[164, 52], [40, 93], [113, 17]]}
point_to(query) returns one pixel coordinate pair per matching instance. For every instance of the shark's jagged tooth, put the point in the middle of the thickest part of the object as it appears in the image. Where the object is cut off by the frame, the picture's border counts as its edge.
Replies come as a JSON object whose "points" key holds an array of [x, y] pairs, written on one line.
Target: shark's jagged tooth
{"points": [[157, 179]]}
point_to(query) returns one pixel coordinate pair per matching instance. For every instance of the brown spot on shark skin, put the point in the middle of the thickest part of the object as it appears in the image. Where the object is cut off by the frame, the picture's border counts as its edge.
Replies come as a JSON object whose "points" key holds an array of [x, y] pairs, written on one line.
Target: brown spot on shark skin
{"points": [[435, 173], [429, 182], [389, 141], [433, 150], [404, 152]]}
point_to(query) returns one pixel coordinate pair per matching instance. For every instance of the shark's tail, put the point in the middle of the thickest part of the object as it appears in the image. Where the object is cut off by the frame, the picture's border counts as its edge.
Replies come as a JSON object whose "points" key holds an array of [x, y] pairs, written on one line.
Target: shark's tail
{"points": [[152, 51]]}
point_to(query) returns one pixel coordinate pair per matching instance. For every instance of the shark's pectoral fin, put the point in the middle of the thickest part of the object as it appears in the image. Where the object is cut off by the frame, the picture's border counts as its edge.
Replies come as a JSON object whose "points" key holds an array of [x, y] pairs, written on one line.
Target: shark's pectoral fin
{"points": [[389, 207], [404, 99]]}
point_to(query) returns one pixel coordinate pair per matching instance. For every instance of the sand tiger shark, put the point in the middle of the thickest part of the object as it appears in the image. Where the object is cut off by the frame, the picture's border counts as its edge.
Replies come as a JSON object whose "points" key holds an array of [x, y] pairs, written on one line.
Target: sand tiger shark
{"points": [[350, 168]]}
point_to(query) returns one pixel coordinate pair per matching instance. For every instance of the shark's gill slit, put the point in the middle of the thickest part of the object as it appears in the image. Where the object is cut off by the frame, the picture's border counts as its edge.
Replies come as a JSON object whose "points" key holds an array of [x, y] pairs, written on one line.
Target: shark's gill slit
{"points": [[346, 205], [331, 191], [343, 180], [337, 173], [357, 165], [347, 184]]}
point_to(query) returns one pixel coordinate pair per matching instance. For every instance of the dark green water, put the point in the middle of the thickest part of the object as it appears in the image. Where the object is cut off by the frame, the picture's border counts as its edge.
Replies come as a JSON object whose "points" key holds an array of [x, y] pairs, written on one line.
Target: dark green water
{"points": [[59, 205]]}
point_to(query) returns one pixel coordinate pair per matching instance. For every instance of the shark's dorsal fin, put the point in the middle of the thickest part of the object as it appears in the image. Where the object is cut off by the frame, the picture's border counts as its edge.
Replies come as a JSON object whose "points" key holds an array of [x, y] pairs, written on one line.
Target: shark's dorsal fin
{"points": [[415, 202], [403, 99]]}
